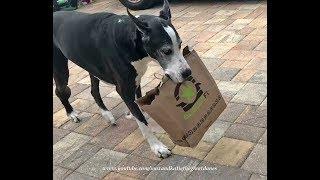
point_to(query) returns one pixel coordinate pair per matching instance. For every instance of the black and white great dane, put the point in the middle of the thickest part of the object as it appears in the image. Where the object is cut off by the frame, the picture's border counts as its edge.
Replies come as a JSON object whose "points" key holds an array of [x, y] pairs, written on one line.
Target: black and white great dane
{"points": [[116, 49]]}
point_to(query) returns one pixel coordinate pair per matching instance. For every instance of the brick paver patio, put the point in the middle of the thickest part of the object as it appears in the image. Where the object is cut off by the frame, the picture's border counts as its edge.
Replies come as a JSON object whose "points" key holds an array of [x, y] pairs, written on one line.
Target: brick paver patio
{"points": [[231, 38]]}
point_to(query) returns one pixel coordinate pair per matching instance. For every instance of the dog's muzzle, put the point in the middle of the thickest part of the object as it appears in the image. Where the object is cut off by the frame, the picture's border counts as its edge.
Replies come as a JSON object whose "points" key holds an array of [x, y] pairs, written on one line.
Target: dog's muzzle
{"points": [[182, 76], [186, 73]]}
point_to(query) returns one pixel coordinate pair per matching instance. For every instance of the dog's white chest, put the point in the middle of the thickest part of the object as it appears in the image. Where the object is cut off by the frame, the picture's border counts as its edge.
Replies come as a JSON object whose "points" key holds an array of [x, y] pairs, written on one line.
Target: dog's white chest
{"points": [[141, 67]]}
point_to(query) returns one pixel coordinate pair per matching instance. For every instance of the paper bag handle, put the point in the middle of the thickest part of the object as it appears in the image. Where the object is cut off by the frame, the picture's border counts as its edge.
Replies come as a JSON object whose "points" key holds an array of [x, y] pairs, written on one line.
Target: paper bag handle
{"points": [[163, 78]]}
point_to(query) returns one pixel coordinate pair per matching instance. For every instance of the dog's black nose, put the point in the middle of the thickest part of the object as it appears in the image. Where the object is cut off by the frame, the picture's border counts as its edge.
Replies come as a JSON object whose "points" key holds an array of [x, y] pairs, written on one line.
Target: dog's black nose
{"points": [[186, 73]]}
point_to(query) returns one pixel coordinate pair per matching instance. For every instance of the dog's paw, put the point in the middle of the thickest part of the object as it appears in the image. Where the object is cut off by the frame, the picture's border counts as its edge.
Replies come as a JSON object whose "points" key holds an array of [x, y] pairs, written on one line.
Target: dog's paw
{"points": [[128, 115], [108, 115], [161, 150], [74, 116]]}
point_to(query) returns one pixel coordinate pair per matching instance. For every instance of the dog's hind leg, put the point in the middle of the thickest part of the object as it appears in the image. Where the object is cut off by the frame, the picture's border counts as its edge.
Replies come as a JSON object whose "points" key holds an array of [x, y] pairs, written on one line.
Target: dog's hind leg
{"points": [[97, 97], [60, 76], [128, 96]]}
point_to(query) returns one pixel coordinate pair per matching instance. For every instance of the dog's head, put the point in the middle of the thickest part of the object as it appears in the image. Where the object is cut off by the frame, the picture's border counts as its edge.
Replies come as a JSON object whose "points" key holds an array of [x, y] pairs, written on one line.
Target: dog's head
{"points": [[162, 42]]}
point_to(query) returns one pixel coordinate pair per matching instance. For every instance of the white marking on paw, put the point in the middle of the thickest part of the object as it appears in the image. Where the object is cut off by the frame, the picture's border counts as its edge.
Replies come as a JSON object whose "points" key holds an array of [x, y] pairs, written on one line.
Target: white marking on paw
{"points": [[108, 115], [160, 150], [74, 116], [156, 146], [129, 115]]}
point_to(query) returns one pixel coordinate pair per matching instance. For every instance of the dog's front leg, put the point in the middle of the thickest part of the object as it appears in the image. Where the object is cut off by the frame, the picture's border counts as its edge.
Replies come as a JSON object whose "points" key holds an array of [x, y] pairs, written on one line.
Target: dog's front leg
{"points": [[156, 146], [138, 94]]}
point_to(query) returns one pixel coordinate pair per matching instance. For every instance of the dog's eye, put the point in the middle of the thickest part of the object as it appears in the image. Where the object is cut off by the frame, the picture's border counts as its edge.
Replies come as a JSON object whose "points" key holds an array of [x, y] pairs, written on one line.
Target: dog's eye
{"points": [[167, 51]]}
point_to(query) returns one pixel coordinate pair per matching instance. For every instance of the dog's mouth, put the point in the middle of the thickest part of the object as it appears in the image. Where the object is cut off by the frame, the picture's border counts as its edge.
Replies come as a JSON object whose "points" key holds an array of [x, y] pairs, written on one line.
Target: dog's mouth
{"points": [[175, 80], [168, 76]]}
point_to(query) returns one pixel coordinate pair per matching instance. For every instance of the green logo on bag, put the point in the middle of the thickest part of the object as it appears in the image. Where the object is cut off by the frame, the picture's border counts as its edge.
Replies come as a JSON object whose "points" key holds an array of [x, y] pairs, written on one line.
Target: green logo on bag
{"points": [[189, 96]]}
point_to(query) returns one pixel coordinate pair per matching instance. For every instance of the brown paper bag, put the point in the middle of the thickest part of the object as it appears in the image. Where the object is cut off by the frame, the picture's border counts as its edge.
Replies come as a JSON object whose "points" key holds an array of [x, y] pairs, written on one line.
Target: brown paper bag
{"points": [[185, 111]]}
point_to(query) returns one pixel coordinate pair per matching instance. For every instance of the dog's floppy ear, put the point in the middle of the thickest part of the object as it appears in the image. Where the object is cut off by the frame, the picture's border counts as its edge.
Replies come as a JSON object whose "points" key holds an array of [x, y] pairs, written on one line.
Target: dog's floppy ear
{"points": [[165, 12], [142, 26]]}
